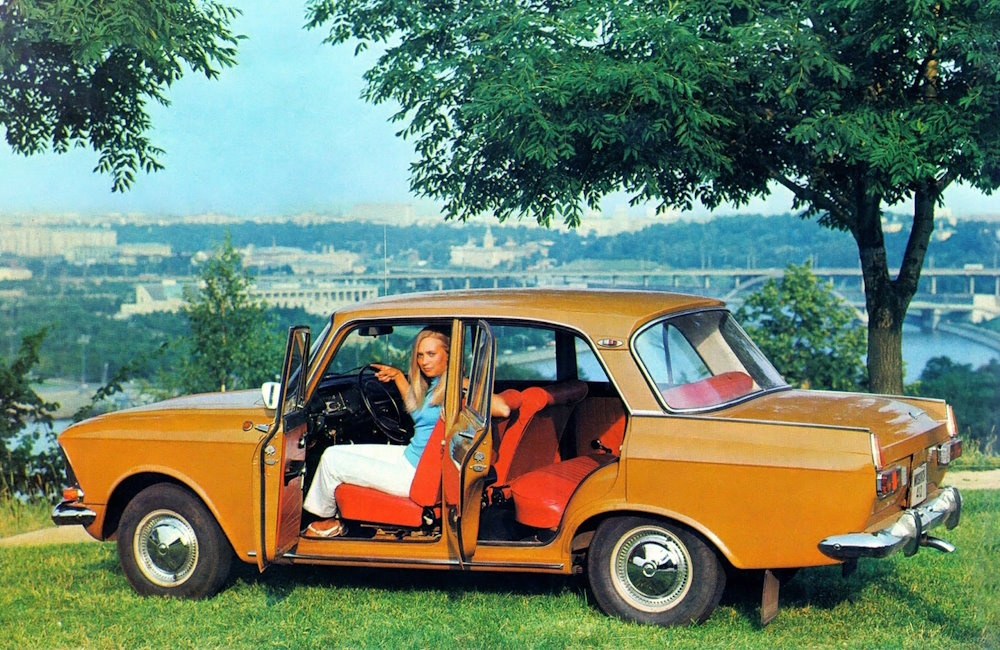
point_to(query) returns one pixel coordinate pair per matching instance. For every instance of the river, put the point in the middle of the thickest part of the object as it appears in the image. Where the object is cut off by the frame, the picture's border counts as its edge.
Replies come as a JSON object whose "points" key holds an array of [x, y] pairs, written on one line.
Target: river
{"points": [[919, 347]]}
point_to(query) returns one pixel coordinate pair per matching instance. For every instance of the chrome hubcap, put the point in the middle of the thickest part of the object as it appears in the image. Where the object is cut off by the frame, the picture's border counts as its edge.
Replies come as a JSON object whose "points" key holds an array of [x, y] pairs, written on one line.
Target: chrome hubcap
{"points": [[651, 569], [166, 548]]}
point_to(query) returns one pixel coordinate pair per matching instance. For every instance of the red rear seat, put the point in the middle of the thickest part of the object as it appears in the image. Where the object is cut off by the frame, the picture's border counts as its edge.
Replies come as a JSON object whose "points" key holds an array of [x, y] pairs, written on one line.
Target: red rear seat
{"points": [[709, 392], [540, 496]]}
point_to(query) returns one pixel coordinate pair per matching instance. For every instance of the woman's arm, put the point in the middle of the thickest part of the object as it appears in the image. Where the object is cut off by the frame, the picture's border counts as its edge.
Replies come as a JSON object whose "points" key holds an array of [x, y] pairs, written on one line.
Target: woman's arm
{"points": [[385, 374], [499, 407]]}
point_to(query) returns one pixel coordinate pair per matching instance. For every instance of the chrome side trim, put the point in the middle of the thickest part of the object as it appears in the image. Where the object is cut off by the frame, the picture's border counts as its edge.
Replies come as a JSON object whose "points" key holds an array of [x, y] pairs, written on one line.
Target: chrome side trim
{"points": [[71, 513], [908, 533], [361, 559]]}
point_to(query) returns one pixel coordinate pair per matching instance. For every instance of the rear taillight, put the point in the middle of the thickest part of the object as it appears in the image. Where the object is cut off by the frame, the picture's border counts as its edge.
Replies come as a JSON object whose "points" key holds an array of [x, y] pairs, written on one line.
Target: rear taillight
{"points": [[948, 451], [952, 422], [876, 452], [890, 481]]}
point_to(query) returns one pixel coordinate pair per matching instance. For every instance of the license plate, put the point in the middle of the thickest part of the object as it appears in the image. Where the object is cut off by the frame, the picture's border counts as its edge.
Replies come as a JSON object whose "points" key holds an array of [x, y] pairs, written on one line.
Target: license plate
{"points": [[918, 491]]}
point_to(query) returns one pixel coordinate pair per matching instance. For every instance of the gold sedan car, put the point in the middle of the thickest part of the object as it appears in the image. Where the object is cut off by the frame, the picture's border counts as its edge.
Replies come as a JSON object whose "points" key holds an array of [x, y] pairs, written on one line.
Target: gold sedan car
{"points": [[649, 445]]}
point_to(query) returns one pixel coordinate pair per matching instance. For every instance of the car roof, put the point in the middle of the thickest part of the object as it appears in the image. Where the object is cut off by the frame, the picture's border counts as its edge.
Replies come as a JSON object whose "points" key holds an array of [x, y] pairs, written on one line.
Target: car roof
{"points": [[602, 311]]}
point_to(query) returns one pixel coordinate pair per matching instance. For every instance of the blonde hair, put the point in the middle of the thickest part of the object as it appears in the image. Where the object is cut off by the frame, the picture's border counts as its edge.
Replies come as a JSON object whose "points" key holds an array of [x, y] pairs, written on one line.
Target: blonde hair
{"points": [[418, 382]]}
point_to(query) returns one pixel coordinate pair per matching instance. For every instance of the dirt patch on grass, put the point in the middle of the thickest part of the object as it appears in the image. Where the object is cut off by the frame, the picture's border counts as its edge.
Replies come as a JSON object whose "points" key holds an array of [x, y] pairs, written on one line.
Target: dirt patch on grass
{"points": [[988, 480]]}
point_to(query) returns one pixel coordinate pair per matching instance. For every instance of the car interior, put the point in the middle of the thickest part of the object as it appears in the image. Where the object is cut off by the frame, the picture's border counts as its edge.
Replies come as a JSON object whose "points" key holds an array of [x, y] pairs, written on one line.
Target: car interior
{"points": [[566, 422]]}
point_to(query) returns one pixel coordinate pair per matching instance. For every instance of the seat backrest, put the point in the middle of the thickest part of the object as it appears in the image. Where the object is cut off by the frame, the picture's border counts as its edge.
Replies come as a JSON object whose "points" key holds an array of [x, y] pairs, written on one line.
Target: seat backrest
{"points": [[532, 439], [426, 487], [601, 420], [514, 400]]}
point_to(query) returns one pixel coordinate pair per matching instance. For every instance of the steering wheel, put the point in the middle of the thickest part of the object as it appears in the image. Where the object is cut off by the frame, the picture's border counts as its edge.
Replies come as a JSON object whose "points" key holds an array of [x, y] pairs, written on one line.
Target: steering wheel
{"points": [[382, 406]]}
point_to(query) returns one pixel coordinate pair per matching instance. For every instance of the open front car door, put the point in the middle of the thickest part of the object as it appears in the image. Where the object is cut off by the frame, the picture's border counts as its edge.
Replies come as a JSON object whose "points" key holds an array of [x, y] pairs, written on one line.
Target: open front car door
{"points": [[282, 455], [467, 461]]}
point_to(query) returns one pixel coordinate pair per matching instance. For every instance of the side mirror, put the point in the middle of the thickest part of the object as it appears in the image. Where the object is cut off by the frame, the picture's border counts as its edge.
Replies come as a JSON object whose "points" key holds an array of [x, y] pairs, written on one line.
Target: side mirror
{"points": [[270, 391]]}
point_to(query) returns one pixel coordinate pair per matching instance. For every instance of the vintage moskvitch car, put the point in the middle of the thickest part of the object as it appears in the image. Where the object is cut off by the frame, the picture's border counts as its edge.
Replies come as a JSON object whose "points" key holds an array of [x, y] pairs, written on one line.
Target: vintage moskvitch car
{"points": [[650, 446]]}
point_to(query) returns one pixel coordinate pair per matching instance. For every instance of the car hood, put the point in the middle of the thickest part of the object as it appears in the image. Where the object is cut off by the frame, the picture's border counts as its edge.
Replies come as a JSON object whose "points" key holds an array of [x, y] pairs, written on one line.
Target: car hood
{"points": [[237, 399], [206, 416], [901, 427]]}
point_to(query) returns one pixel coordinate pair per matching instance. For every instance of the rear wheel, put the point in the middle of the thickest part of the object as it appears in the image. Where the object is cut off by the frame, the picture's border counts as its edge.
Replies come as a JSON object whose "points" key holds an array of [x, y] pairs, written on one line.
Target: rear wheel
{"points": [[654, 572], [169, 544]]}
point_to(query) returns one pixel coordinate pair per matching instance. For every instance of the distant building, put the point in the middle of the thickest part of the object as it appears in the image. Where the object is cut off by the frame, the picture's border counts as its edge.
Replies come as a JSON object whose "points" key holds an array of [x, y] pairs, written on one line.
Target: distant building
{"points": [[14, 274], [320, 297], [166, 296], [489, 256], [314, 296], [300, 262], [38, 241]]}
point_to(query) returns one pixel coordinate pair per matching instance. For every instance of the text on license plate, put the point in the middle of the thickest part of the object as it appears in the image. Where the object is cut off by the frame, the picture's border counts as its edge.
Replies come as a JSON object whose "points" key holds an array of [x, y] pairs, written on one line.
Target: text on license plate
{"points": [[918, 491]]}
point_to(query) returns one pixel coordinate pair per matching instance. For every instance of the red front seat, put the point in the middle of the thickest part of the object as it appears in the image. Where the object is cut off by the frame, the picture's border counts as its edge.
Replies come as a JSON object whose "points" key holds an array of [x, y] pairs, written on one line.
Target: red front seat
{"points": [[374, 506]]}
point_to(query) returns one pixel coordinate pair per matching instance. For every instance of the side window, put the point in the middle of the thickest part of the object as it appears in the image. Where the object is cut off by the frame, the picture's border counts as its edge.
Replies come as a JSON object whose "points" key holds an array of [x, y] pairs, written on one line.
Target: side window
{"points": [[587, 365], [526, 353]]}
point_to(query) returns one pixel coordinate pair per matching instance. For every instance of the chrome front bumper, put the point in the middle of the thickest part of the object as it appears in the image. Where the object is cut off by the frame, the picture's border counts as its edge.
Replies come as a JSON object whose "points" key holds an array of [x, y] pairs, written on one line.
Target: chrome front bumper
{"points": [[71, 513], [908, 534]]}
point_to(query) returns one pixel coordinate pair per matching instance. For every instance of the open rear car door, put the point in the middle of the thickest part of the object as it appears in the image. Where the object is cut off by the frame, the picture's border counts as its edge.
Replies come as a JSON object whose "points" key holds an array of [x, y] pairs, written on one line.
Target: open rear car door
{"points": [[467, 460], [282, 455]]}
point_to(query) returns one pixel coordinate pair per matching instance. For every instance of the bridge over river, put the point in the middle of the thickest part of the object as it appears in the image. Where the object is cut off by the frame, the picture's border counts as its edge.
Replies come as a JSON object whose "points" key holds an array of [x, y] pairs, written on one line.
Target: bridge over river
{"points": [[971, 294]]}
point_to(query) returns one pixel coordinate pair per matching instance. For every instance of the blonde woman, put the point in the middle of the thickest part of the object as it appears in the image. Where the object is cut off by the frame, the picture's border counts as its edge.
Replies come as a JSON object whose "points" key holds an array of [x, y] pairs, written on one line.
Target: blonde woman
{"points": [[388, 468]]}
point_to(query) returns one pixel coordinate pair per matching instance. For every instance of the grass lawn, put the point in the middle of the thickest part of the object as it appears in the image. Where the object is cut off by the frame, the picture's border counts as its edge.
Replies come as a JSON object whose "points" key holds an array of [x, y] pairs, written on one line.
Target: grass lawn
{"points": [[73, 596]]}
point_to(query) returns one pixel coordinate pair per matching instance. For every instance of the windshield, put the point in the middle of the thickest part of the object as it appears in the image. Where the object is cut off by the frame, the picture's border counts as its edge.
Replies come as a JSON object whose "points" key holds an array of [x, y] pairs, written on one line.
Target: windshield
{"points": [[703, 360]]}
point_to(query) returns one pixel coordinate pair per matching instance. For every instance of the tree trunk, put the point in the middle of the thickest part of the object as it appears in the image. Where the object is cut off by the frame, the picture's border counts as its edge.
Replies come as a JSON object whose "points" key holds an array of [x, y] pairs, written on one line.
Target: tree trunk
{"points": [[885, 349], [887, 300]]}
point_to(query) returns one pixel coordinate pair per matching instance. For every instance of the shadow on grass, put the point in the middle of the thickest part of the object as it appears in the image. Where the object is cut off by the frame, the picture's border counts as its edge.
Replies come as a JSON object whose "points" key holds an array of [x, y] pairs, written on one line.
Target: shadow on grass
{"points": [[821, 588], [278, 582]]}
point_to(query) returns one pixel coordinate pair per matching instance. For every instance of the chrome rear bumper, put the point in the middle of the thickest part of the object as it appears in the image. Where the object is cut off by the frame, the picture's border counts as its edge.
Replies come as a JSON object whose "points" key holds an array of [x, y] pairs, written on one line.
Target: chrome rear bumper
{"points": [[71, 513], [908, 534]]}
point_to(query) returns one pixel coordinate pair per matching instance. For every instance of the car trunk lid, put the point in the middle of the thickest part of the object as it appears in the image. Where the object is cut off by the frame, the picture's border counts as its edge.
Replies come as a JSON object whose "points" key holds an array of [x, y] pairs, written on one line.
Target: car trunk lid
{"points": [[902, 428]]}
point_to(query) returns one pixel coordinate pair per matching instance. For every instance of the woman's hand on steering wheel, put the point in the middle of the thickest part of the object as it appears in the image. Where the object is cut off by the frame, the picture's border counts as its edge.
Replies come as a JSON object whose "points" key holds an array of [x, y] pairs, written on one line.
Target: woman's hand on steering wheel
{"points": [[381, 404]]}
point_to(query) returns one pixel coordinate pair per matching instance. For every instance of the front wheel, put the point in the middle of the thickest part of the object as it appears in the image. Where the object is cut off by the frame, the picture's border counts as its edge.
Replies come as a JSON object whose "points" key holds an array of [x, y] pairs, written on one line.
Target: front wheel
{"points": [[654, 572], [169, 544]]}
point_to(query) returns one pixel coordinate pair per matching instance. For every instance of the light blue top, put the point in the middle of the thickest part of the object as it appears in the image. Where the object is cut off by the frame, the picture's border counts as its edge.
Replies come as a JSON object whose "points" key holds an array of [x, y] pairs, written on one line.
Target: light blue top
{"points": [[424, 420]]}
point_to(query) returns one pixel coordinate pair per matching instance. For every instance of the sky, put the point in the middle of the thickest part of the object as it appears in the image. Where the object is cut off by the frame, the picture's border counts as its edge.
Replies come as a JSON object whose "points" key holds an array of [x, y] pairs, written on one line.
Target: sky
{"points": [[283, 132]]}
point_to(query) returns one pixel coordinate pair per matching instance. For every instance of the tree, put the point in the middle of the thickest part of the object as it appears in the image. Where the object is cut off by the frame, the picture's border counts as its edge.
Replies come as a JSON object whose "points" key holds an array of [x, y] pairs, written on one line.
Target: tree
{"points": [[80, 73], [974, 394], [233, 341], [536, 108], [23, 471], [807, 331]]}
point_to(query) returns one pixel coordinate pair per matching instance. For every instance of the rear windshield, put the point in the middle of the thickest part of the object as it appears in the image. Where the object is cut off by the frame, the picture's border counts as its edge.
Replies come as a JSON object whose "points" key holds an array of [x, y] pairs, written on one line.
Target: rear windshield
{"points": [[703, 360]]}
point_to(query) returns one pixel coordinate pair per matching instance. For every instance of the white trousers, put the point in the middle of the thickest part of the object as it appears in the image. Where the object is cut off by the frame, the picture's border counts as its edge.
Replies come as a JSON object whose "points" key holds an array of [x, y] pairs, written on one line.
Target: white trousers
{"points": [[382, 467]]}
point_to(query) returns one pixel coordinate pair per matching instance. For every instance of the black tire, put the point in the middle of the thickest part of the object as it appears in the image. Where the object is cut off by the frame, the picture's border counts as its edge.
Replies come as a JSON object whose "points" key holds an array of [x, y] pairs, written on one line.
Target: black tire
{"points": [[654, 572], [169, 544]]}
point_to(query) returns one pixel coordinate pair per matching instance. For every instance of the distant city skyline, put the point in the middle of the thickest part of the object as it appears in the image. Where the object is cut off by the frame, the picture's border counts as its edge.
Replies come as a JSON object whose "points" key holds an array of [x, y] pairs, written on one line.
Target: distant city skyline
{"points": [[285, 132]]}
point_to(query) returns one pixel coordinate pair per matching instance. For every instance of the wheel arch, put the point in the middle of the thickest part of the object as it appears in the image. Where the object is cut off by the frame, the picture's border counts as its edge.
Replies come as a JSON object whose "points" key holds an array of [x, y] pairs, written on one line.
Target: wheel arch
{"points": [[584, 532], [128, 488]]}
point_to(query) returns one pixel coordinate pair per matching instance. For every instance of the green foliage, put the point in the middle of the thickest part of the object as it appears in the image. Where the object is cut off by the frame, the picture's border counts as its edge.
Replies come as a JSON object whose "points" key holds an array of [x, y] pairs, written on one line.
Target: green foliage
{"points": [[974, 394], [233, 341], [81, 73], [536, 108], [29, 465], [76, 597], [522, 108], [810, 335]]}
